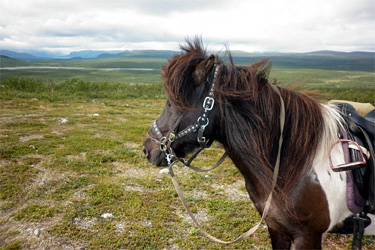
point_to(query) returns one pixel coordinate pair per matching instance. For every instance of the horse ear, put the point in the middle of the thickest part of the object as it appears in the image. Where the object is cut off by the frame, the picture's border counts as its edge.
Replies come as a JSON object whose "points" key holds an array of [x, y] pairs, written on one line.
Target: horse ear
{"points": [[203, 69]]}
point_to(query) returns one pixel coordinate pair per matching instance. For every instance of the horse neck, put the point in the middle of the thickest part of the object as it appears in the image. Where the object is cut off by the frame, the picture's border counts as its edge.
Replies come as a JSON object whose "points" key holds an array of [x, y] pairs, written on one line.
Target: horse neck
{"points": [[255, 186], [250, 134]]}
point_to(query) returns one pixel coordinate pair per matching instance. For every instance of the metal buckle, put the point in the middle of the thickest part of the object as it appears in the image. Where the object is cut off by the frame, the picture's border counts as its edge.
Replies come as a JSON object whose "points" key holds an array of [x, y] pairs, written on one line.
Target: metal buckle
{"points": [[171, 137], [208, 103], [169, 158]]}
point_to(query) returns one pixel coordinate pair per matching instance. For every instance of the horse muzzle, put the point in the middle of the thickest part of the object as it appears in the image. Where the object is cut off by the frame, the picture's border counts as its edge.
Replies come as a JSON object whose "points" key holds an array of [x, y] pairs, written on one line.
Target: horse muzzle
{"points": [[153, 153]]}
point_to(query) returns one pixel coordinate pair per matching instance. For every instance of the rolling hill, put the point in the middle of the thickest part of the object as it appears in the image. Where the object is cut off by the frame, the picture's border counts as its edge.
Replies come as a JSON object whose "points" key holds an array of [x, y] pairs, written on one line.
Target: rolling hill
{"points": [[329, 60]]}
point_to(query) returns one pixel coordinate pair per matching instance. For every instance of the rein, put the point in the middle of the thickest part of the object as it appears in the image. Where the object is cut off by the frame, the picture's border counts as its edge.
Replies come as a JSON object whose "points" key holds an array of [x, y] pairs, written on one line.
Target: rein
{"points": [[200, 125]]}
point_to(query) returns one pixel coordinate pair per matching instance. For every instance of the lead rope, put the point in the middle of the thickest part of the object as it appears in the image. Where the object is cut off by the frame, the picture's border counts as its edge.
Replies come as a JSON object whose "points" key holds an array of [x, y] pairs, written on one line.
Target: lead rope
{"points": [[269, 199]]}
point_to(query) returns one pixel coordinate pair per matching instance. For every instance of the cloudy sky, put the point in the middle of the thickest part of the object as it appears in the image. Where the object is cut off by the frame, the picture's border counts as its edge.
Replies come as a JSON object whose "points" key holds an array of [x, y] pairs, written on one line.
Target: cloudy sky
{"points": [[263, 25]]}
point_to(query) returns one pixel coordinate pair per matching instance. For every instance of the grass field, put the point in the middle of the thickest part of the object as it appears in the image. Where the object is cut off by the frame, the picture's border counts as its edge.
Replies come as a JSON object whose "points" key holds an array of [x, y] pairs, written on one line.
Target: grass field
{"points": [[93, 70], [59, 179], [335, 84], [73, 174]]}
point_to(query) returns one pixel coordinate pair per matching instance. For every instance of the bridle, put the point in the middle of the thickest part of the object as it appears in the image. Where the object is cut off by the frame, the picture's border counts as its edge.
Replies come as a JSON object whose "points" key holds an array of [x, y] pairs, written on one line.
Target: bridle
{"points": [[200, 126], [165, 141]]}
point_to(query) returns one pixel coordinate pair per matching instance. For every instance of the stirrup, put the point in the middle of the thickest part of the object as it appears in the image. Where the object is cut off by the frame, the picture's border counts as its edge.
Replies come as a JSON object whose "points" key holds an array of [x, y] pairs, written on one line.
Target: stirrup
{"points": [[350, 165]]}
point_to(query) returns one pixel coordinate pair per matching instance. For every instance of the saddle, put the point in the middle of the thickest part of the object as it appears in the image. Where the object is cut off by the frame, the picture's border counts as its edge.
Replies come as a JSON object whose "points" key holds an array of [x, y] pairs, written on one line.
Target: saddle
{"points": [[361, 130], [360, 169]]}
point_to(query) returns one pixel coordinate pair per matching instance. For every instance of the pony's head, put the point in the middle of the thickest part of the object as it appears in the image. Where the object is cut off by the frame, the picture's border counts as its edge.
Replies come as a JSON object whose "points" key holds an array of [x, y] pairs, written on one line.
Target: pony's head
{"points": [[190, 118]]}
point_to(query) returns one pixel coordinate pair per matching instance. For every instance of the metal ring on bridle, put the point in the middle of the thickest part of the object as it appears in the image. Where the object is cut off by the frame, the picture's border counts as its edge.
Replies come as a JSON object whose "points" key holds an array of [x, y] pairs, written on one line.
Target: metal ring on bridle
{"points": [[203, 121], [163, 147]]}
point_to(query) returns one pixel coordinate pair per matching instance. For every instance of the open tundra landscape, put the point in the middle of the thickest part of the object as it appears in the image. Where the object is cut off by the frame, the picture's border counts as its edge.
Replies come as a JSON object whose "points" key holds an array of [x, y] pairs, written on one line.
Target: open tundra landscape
{"points": [[72, 171]]}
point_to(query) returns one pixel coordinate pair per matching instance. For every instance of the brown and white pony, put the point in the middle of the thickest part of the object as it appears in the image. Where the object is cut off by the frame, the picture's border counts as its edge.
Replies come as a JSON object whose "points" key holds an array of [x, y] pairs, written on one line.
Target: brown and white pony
{"points": [[309, 199]]}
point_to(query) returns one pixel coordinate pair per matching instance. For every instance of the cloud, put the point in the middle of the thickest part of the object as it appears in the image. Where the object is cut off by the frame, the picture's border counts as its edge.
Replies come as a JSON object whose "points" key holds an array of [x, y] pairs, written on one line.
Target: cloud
{"points": [[268, 25], [165, 7]]}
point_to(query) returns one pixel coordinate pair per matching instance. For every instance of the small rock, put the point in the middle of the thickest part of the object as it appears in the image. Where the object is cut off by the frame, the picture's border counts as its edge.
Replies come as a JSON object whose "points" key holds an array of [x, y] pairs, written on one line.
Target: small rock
{"points": [[42, 183], [63, 121], [96, 115], [37, 232], [120, 228], [107, 215], [164, 171]]}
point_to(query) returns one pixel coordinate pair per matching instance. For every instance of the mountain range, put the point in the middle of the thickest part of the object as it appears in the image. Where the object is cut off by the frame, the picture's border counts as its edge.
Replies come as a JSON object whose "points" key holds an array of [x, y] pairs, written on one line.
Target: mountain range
{"points": [[86, 54], [334, 60]]}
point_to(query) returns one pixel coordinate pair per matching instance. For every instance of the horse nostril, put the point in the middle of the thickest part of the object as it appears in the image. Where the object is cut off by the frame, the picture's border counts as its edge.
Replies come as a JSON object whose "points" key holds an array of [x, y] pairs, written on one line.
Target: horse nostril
{"points": [[145, 151]]}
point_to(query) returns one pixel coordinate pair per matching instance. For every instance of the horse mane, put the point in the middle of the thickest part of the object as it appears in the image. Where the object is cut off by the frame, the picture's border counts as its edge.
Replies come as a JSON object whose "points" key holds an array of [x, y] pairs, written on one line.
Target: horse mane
{"points": [[250, 115], [178, 74]]}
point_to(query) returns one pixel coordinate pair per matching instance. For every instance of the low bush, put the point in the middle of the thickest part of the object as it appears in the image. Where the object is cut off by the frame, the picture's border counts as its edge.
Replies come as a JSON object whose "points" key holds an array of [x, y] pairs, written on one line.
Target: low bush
{"points": [[75, 88]]}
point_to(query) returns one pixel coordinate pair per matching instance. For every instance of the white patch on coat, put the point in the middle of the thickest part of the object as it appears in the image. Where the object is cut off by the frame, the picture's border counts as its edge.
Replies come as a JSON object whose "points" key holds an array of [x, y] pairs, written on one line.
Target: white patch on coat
{"points": [[333, 183]]}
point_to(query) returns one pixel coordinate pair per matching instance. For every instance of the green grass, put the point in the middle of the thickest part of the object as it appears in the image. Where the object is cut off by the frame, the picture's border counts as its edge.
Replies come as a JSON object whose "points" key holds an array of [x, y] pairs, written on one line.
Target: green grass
{"points": [[339, 85], [75, 89], [62, 177], [91, 83], [34, 213], [92, 70], [65, 180]]}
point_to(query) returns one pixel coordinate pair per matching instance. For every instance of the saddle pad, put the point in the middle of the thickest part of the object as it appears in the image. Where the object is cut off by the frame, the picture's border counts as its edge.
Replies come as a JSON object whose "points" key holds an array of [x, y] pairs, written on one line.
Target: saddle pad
{"points": [[362, 108]]}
